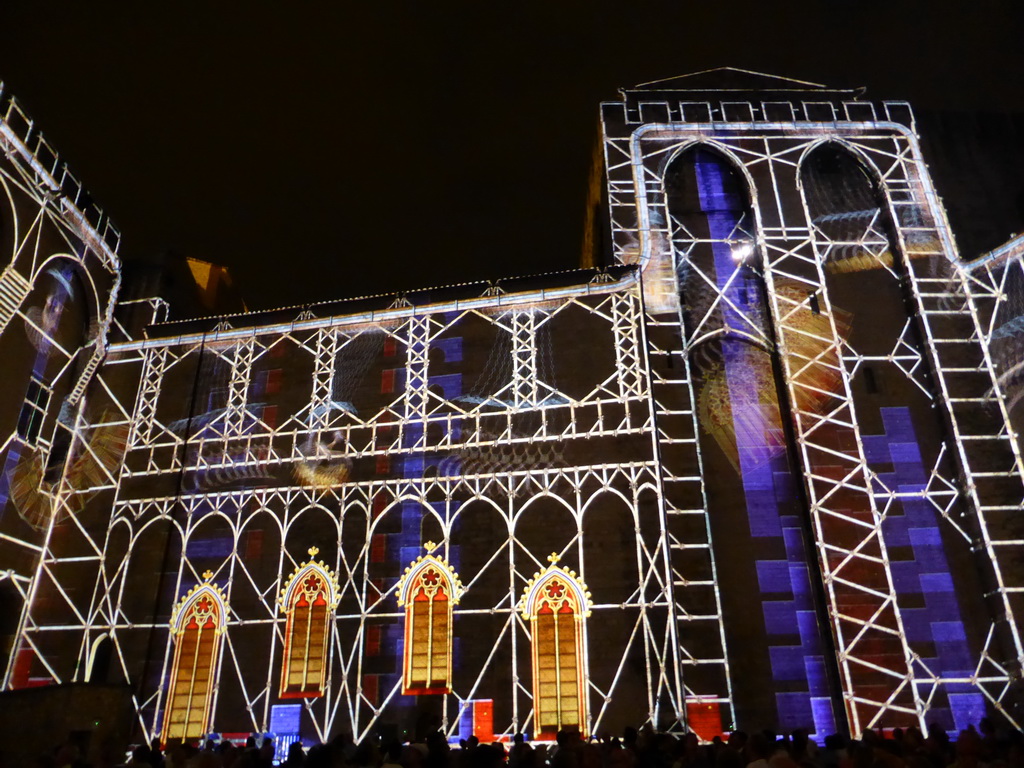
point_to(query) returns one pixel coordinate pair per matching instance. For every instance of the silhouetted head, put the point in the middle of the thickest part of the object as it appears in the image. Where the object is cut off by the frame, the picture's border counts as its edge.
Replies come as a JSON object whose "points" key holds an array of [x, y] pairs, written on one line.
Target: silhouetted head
{"points": [[394, 750]]}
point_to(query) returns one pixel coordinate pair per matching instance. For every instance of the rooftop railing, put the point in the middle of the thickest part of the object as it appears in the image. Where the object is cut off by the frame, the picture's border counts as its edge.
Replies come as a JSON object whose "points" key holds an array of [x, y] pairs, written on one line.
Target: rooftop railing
{"points": [[54, 172]]}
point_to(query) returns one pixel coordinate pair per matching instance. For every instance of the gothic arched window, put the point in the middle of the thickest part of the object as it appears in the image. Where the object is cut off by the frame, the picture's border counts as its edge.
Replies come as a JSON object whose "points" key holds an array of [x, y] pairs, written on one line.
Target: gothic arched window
{"points": [[309, 598], [428, 590], [556, 603], [196, 626]]}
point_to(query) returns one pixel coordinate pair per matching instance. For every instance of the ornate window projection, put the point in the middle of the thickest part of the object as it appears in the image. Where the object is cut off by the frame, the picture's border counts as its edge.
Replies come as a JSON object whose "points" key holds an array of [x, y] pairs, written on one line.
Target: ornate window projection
{"points": [[428, 590], [784, 493], [197, 626], [556, 603], [308, 600]]}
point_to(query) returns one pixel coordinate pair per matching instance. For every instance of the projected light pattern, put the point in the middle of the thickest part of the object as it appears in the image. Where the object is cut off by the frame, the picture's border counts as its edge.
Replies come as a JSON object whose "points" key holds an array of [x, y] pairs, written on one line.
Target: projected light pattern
{"points": [[925, 577], [34, 506], [784, 583], [882, 681], [406, 544], [755, 443], [59, 277], [405, 431], [700, 426]]}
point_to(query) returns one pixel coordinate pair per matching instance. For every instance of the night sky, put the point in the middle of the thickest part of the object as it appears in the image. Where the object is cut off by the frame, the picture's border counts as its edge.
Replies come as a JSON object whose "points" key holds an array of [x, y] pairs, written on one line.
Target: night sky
{"points": [[325, 150]]}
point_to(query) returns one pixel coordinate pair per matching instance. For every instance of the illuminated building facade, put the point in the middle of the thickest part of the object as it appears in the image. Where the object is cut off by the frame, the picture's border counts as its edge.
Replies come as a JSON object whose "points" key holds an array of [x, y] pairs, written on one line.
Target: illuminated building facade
{"points": [[754, 464]]}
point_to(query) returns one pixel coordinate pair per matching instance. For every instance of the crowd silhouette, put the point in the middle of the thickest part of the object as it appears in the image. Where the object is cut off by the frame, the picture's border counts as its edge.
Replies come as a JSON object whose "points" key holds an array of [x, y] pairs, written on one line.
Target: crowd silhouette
{"points": [[984, 747]]}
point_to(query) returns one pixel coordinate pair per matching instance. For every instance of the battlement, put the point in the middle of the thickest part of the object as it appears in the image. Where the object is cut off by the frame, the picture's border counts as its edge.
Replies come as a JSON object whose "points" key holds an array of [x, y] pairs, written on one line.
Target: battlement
{"points": [[730, 95]]}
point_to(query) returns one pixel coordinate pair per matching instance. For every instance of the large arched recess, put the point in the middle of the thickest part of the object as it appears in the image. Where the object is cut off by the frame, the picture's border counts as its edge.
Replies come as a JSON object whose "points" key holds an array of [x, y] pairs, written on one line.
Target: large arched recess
{"points": [[758, 526], [778, 652], [480, 552], [896, 402], [58, 318], [611, 571], [714, 241]]}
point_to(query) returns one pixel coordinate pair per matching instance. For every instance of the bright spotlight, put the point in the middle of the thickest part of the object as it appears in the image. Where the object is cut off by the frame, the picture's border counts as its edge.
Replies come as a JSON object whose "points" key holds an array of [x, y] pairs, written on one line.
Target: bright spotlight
{"points": [[742, 251]]}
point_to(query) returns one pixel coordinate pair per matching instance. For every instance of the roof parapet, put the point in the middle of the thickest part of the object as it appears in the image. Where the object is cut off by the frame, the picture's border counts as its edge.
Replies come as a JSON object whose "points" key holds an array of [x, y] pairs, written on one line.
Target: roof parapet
{"points": [[1011, 249], [53, 174]]}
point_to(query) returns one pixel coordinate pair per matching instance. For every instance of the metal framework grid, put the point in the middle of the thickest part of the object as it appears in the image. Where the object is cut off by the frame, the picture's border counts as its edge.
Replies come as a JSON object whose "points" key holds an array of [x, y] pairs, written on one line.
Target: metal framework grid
{"points": [[642, 137], [497, 458], [51, 233], [519, 444]]}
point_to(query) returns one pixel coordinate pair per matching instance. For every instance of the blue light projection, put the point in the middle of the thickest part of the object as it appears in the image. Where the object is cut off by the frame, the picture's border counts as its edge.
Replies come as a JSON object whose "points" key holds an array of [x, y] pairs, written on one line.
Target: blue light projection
{"points": [[49, 319], [406, 544], [924, 578], [763, 466]]}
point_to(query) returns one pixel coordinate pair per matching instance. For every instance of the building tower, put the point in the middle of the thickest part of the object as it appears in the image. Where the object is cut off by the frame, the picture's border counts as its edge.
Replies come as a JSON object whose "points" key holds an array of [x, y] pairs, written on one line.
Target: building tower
{"points": [[755, 464], [59, 277], [842, 427]]}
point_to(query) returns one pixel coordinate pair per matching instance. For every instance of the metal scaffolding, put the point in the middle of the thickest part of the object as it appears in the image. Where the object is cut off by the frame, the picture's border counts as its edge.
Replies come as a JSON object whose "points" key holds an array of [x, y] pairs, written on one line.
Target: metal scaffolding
{"points": [[884, 678], [641, 429]]}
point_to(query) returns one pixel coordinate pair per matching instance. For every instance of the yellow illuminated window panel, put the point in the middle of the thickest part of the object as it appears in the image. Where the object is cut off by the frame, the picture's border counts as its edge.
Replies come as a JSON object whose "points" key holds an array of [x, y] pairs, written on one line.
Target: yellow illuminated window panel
{"points": [[428, 634], [309, 601], [428, 590], [197, 628], [556, 604]]}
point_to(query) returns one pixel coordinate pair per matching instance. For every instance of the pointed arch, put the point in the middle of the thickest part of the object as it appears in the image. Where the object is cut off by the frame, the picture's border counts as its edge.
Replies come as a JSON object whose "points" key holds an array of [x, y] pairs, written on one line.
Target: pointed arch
{"points": [[867, 246], [715, 230], [197, 625], [556, 603], [97, 666], [428, 590], [855, 223], [308, 600]]}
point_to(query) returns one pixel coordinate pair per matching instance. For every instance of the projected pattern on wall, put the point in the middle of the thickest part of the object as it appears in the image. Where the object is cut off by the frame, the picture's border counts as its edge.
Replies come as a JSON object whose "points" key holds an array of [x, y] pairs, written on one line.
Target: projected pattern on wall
{"points": [[714, 234], [718, 419], [59, 275], [894, 663], [258, 468]]}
